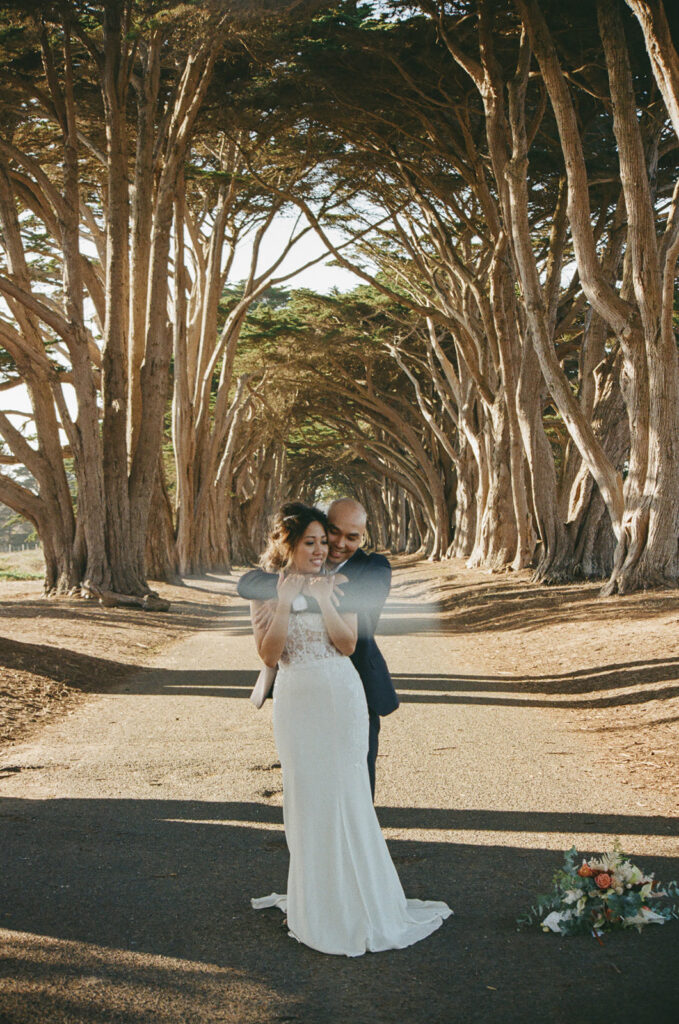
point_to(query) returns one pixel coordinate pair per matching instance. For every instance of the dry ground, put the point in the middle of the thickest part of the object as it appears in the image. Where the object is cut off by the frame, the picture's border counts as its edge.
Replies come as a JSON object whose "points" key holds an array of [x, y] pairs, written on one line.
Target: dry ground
{"points": [[611, 665], [52, 651], [138, 823]]}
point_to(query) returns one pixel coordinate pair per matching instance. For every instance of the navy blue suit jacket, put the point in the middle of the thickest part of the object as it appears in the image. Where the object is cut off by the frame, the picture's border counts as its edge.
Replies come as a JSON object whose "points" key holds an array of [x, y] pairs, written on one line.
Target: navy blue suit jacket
{"points": [[369, 580]]}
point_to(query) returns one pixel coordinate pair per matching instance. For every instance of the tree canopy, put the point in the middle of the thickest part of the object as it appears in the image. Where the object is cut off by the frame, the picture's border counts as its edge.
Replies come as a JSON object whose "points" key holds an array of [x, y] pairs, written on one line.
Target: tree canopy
{"points": [[502, 383]]}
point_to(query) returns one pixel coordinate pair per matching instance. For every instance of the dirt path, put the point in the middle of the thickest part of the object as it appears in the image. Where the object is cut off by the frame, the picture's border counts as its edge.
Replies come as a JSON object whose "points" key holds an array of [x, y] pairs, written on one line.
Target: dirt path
{"points": [[140, 824]]}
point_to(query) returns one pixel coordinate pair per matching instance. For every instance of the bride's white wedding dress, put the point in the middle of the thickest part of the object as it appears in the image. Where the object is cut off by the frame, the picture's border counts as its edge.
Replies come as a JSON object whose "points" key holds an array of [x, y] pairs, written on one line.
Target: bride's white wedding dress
{"points": [[344, 895]]}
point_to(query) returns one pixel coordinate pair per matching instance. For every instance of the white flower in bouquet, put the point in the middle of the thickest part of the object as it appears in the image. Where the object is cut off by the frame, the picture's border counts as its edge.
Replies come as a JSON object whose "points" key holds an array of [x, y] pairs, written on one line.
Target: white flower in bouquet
{"points": [[645, 916], [629, 874], [552, 923]]}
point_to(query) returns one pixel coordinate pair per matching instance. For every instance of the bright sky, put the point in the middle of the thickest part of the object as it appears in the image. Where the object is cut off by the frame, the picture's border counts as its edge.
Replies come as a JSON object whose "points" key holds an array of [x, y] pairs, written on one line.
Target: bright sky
{"points": [[321, 278]]}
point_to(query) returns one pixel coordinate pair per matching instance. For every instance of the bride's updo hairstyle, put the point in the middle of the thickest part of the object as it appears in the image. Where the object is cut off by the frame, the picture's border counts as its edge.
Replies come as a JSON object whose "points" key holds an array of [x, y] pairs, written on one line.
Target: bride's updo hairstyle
{"points": [[287, 529]]}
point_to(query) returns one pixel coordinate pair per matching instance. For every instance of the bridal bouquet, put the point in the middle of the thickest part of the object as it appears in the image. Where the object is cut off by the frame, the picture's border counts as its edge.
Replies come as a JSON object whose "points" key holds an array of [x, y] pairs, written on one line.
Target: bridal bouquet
{"points": [[600, 894]]}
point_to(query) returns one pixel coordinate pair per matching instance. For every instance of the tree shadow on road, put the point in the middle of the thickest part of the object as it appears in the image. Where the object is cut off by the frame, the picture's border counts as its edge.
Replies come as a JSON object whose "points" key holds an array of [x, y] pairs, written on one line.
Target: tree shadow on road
{"points": [[454, 605], [104, 888], [184, 616], [645, 681]]}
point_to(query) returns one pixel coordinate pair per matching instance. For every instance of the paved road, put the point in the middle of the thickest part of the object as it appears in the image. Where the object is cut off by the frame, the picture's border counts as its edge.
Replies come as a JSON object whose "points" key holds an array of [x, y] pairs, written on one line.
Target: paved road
{"points": [[141, 824]]}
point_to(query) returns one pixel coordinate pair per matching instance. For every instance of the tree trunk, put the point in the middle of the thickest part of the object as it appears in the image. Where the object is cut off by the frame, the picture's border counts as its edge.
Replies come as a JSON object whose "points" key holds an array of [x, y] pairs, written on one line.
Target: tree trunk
{"points": [[161, 561], [652, 525], [497, 540], [465, 505]]}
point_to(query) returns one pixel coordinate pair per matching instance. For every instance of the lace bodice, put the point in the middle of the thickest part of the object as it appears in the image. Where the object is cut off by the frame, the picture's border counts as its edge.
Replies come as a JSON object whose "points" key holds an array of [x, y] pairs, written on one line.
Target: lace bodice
{"points": [[308, 640]]}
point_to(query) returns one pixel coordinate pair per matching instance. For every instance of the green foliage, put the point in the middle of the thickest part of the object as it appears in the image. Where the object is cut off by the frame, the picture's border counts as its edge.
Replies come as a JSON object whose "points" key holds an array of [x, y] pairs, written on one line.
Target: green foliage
{"points": [[14, 529], [16, 574], [317, 352]]}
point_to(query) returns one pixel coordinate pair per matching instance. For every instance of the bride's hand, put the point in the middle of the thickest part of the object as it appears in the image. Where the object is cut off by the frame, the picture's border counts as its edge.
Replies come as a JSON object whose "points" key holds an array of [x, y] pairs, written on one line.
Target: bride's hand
{"points": [[320, 588], [288, 587], [339, 580]]}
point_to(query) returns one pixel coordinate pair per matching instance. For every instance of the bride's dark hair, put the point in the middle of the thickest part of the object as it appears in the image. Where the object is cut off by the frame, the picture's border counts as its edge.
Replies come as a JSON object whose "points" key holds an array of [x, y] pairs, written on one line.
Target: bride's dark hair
{"points": [[287, 528]]}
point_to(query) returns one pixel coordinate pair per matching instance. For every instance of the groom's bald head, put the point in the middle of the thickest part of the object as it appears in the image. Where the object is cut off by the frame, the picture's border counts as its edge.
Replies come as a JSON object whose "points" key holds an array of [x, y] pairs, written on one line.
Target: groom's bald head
{"points": [[346, 526], [348, 507]]}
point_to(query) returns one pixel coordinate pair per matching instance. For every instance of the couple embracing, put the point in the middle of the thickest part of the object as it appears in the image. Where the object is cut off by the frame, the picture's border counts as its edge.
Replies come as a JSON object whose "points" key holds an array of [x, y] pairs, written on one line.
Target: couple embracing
{"points": [[315, 606]]}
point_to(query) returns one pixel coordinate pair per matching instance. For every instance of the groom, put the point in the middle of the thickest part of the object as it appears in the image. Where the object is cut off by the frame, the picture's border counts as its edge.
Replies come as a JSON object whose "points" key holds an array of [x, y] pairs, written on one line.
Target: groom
{"points": [[366, 590]]}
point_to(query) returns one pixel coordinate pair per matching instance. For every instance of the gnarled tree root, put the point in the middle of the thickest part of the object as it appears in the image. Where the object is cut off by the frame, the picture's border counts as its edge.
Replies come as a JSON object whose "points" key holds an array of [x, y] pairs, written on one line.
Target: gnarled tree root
{"points": [[149, 602]]}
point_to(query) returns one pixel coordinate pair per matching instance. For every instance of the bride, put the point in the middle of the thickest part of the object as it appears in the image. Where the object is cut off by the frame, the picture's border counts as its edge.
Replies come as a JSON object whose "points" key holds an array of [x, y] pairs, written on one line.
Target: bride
{"points": [[344, 895]]}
